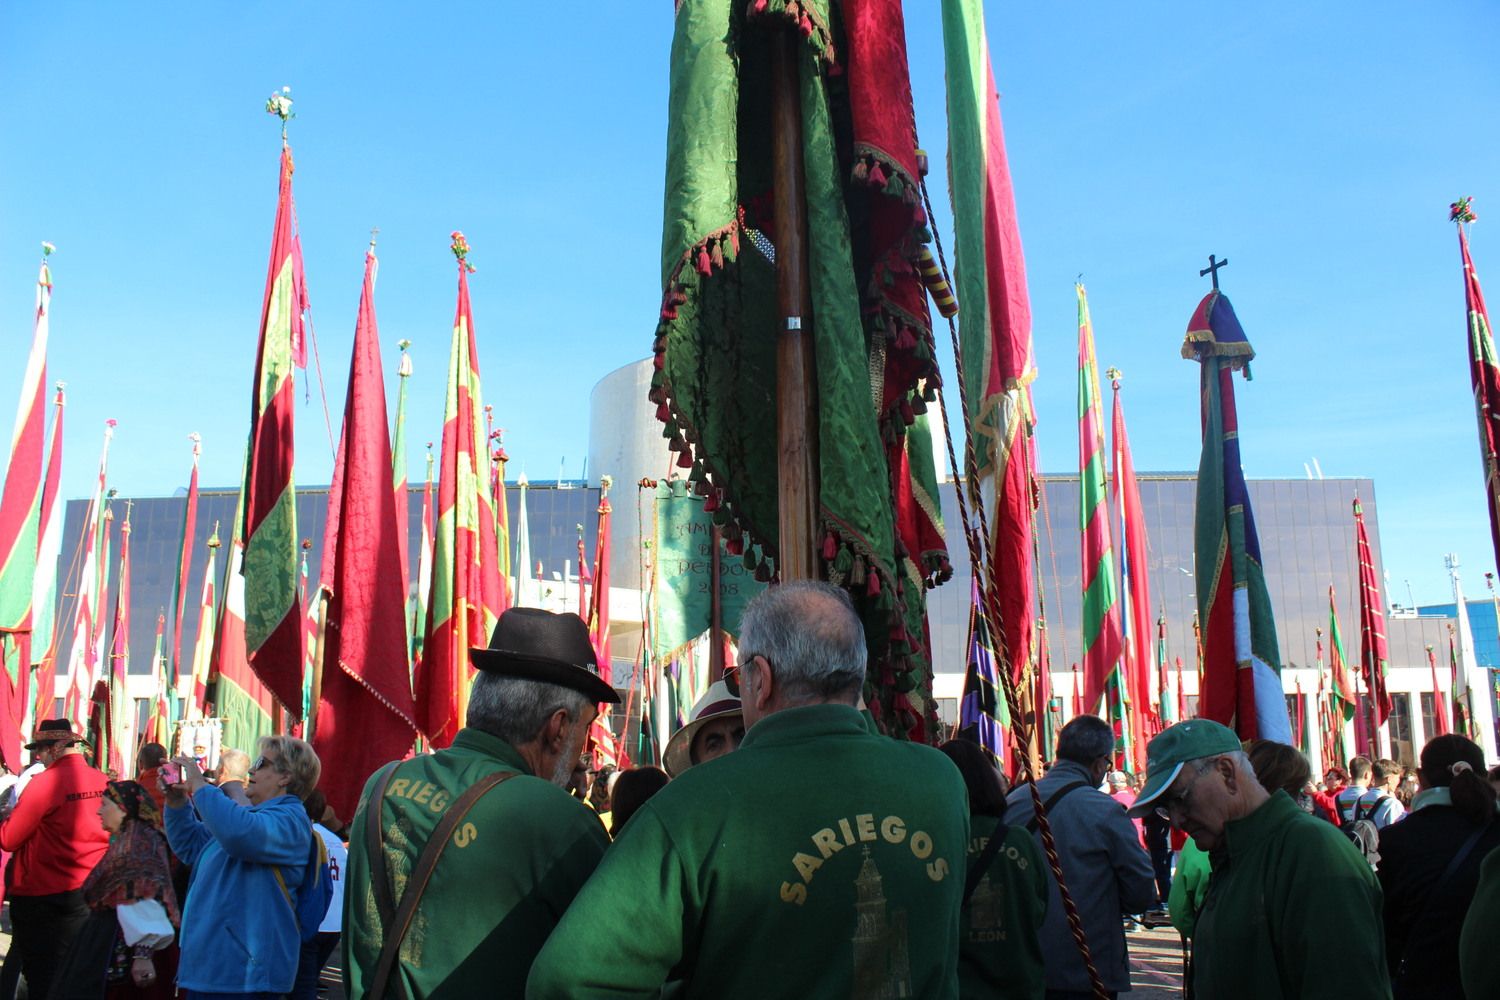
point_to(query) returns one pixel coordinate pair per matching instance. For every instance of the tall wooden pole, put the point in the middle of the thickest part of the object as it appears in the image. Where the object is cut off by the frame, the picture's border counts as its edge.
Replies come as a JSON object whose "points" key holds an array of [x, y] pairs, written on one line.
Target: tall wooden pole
{"points": [[796, 388], [715, 605]]}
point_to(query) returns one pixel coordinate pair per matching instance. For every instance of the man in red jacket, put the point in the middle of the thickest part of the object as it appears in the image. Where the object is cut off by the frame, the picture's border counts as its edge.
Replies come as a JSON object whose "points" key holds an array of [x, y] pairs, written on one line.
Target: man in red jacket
{"points": [[55, 833]]}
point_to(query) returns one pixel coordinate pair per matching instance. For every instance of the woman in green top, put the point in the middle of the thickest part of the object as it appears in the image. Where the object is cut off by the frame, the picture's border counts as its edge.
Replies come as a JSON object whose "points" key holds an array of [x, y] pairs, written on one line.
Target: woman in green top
{"points": [[1005, 896]]}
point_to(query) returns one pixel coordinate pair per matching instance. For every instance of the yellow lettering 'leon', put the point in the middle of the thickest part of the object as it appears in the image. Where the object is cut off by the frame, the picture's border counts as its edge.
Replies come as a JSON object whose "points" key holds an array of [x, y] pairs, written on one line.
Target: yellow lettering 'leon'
{"points": [[846, 832]]}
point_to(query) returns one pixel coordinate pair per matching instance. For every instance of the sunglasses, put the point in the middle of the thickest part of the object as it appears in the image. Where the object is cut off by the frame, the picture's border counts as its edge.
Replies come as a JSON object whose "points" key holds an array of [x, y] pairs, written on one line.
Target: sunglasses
{"points": [[731, 676], [264, 761]]}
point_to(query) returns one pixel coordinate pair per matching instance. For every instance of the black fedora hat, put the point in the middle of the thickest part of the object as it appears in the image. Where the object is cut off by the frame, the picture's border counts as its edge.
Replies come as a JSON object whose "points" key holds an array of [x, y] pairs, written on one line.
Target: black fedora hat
{"points": [[541, 646], [55, 731]]}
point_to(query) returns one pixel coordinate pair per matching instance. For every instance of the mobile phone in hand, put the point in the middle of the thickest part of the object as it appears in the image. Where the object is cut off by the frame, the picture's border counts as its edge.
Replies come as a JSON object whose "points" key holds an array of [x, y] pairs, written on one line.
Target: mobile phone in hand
{"points": [[171, 773]]}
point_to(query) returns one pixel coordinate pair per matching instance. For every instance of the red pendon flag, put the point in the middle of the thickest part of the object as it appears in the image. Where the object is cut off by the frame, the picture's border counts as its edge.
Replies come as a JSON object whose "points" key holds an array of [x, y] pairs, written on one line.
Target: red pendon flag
{"points": [[466, 594], [1372, 645], [20, 511], [365, 716], [1439, 703], [184, 562], [273, 607]]}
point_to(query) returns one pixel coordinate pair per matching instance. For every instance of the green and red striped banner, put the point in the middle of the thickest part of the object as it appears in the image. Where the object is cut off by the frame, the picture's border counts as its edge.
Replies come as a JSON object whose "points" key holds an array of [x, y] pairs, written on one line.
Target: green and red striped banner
{"points": [[994, 325], [1102, 641], [42, 690], [20, 509], [272, 612], [1484, 372], [88, 631]]}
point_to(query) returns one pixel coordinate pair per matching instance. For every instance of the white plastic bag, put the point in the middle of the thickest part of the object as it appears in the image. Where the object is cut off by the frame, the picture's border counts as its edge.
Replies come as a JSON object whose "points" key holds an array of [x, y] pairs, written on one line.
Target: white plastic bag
{"points": [[145, 923]]}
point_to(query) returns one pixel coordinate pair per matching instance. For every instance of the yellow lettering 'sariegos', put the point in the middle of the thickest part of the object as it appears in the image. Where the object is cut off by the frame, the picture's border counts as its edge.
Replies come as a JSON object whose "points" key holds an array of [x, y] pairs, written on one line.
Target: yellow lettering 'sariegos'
{"points": [[793, 893], [921, 845], [827, 842], [866, 824], [893, 829], [806, 865]]}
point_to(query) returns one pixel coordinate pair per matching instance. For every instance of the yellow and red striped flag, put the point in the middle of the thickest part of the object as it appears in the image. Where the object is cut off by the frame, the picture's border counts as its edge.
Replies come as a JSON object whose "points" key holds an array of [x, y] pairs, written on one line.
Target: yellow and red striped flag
{"points": [[273, 612], [466, 592]]}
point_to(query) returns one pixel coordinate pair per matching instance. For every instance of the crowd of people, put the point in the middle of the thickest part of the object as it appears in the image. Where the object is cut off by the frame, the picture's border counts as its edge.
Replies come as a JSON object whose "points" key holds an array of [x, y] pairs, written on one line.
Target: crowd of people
{"points": [[784, 849]]}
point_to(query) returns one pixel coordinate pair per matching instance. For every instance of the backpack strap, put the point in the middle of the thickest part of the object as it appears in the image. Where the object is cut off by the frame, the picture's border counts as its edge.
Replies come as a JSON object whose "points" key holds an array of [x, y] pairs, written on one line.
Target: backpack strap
{"points": [[983, 862], [1052, 800], [421, 874], [316, 856], [1453, 866], [380, 881]]}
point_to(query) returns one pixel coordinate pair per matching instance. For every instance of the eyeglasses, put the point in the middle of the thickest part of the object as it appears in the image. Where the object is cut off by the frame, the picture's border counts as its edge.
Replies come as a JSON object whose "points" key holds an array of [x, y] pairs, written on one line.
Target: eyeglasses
{"points": [[1179, 800], [264, 761]]}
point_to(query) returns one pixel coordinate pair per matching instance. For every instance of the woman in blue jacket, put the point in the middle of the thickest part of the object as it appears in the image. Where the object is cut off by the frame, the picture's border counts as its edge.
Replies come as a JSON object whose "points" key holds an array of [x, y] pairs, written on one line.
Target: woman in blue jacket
{"points": [[240, 936]]}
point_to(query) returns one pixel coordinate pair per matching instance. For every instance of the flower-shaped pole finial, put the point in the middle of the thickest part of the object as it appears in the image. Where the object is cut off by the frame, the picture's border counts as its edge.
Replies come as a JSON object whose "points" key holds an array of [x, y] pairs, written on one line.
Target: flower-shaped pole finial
{"points": [[280, 105], [405, 370], [48, 249], [1114, 375], [460, 248], [1461, 211]]}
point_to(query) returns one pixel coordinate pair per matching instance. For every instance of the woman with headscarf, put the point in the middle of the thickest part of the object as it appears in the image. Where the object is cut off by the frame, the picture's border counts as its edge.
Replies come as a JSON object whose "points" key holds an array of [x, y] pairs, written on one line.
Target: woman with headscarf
{"points": [[127, 948]]}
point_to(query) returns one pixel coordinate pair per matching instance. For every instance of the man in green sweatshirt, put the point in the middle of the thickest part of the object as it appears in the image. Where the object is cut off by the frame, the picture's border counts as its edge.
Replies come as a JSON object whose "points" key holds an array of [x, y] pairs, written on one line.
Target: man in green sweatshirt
{"points": [[818, 860], [515, 860], [1288, 889]]}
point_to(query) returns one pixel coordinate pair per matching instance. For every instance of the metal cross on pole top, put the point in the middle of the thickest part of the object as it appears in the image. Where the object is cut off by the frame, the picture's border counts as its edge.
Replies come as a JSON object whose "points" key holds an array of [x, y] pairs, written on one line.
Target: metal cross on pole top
{"points": [[1213, 269]]}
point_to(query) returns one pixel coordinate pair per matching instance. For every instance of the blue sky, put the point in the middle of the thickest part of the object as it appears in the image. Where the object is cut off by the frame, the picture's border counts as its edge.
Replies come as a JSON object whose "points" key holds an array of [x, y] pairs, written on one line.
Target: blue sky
{"points": [[1316, 146]]}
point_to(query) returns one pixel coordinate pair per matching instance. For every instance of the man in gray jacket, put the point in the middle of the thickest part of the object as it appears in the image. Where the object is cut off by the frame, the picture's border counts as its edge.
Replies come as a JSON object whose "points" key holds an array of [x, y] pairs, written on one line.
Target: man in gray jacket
{"points": [[1107, 871]]}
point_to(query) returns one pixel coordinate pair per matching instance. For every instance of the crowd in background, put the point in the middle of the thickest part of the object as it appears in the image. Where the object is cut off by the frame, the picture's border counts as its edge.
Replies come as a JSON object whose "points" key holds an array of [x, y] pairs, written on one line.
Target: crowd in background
{"points": [[783, 849]]}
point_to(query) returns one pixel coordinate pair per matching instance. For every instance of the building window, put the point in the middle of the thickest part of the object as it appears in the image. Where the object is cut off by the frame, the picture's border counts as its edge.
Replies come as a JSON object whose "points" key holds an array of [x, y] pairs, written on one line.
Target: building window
{"points": [[1429, 715], [1400, 728], [947, 709]]}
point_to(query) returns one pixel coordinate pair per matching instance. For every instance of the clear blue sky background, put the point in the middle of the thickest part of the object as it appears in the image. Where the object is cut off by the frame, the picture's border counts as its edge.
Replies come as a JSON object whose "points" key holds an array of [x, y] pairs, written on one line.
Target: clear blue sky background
{"points": [[1316, 146]]}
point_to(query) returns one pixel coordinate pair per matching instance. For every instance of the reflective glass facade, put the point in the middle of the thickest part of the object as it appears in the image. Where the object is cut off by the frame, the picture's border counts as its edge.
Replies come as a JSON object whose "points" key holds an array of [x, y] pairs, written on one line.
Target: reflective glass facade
{"points": [[1306, 530], [554, 512]]}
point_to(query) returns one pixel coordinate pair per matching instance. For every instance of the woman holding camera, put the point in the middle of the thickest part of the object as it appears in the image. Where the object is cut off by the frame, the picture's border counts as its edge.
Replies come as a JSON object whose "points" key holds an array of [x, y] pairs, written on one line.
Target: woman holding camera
{"points": [[240, 934]]}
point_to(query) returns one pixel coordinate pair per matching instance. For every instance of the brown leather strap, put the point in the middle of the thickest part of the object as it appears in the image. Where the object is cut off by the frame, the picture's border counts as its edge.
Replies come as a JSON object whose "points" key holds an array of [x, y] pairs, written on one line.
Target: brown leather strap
{"points": [[380, 881], [416, 885]]}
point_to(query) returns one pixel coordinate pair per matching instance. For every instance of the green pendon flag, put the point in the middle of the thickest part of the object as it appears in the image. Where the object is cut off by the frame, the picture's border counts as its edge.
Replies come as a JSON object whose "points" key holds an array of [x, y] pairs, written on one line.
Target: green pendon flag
{"points": [[240, 698], [715, 347], [1340, 690], [682, 591], [272, 609]]}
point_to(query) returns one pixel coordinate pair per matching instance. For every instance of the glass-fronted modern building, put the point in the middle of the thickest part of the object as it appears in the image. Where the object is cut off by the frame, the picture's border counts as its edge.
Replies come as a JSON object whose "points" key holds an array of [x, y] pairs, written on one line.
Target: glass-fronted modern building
{"points": [[556, 511]]}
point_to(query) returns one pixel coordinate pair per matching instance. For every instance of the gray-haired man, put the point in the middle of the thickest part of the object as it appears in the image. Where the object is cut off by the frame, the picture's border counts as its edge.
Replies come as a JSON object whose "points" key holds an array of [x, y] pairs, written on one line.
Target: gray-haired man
{"points": [[1107, 870], [514, 861], [817, 860]]}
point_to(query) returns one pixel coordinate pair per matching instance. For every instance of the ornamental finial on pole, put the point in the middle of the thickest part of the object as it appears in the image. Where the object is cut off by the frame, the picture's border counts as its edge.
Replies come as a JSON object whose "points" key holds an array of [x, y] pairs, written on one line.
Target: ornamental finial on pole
{"points": [[1114, 375], [460, 248], [1462, 211], [405, 370], [48, 249], [280, 105]]}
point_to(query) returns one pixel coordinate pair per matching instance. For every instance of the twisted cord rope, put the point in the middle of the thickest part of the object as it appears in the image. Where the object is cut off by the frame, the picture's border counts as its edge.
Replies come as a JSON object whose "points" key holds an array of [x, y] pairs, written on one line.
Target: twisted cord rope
{"points": [[1020, 728]]}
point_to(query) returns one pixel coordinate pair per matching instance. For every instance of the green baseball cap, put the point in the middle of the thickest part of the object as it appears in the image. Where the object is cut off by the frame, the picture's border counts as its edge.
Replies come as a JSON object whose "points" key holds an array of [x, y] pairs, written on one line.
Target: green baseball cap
{"points": [[1174, 747]]}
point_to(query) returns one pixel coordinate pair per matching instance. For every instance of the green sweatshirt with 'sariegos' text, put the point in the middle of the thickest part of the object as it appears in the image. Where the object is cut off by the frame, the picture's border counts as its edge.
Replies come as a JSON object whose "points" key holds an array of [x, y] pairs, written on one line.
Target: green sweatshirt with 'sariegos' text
{"points": [[817, 860]]}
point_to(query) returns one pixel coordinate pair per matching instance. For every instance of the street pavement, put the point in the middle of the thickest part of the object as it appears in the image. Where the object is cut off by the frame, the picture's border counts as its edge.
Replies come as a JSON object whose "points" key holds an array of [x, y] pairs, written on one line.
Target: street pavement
{"points": [[1155, 965]]}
